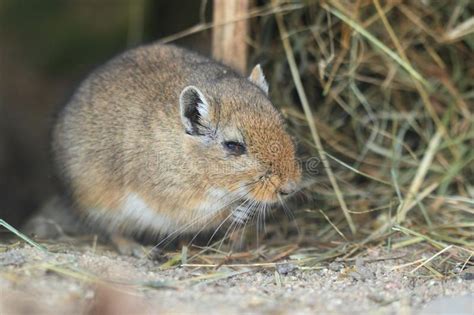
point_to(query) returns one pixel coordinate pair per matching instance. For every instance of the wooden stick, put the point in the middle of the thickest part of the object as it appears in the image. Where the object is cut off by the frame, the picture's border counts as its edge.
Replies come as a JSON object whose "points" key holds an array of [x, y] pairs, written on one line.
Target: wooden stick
{"points": [[229, 40]]}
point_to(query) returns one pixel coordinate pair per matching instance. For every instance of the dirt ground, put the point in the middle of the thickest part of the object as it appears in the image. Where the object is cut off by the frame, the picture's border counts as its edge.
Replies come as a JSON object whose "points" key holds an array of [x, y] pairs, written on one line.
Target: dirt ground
{"points": [[88, 280]]}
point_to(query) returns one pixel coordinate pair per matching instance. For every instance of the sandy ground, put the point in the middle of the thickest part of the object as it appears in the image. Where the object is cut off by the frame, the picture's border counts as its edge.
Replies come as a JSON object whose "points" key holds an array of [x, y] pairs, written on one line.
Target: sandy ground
{"points": [[100, 281]]}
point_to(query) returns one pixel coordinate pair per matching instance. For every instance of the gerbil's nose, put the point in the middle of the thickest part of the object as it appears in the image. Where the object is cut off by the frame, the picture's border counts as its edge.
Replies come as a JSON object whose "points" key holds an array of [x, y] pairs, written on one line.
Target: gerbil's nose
{"points": [[288, 188]]}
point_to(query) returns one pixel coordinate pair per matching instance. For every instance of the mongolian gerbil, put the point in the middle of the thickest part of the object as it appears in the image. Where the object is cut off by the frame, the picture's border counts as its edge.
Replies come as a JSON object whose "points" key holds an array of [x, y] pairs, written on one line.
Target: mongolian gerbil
{"points": [[161, 139]]}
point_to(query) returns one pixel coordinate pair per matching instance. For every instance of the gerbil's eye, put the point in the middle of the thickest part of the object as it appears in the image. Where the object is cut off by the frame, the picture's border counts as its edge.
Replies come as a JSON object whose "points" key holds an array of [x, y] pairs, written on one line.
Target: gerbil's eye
{"points": [[234, 147]]}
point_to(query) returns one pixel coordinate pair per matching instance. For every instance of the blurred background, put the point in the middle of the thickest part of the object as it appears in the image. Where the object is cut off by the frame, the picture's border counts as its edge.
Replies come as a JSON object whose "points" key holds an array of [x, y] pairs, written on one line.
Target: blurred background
{"points": [[389, 85]]}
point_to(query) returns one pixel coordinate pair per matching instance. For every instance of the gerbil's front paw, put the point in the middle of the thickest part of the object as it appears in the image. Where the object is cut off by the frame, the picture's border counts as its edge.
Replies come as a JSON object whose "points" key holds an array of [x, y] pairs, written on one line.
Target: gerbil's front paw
{"points": [[126, 246]]}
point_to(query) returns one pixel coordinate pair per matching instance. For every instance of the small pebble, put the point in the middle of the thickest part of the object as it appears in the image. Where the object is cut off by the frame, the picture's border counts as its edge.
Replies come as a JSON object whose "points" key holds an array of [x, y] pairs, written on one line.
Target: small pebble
{"points": [[335, 266], [285, 268], [468, 274]]}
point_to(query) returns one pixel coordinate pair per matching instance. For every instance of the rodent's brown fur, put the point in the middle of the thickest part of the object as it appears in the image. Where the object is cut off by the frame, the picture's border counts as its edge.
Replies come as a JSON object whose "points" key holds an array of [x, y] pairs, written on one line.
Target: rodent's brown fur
{"points": [[122, 133]]}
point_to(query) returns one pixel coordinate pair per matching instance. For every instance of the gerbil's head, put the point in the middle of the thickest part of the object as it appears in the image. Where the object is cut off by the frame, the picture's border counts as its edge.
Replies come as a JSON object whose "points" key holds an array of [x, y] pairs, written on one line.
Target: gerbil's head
{"points": [[237, 140]]}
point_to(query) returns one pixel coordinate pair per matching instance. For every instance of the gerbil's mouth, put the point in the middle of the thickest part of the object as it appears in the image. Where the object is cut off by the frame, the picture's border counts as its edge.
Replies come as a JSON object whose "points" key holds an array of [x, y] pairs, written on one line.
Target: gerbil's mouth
{"points": [[258, 200], [274, 196], [251, 207], [263, 194]]}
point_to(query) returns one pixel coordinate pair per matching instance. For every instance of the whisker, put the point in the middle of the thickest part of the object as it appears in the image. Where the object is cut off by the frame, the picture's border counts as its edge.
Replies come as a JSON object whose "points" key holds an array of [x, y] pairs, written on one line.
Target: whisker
{"points": [[170, 237], [234, 224], [265, 207], [241, 215], [290, 214], [231, 214], [218, 228], [231, 227]]}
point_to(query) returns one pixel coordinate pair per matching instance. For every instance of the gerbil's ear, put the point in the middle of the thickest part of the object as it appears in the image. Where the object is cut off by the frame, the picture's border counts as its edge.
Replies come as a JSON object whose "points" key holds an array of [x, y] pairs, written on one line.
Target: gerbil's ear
{"points": [[194, 110], [258, 78]]}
